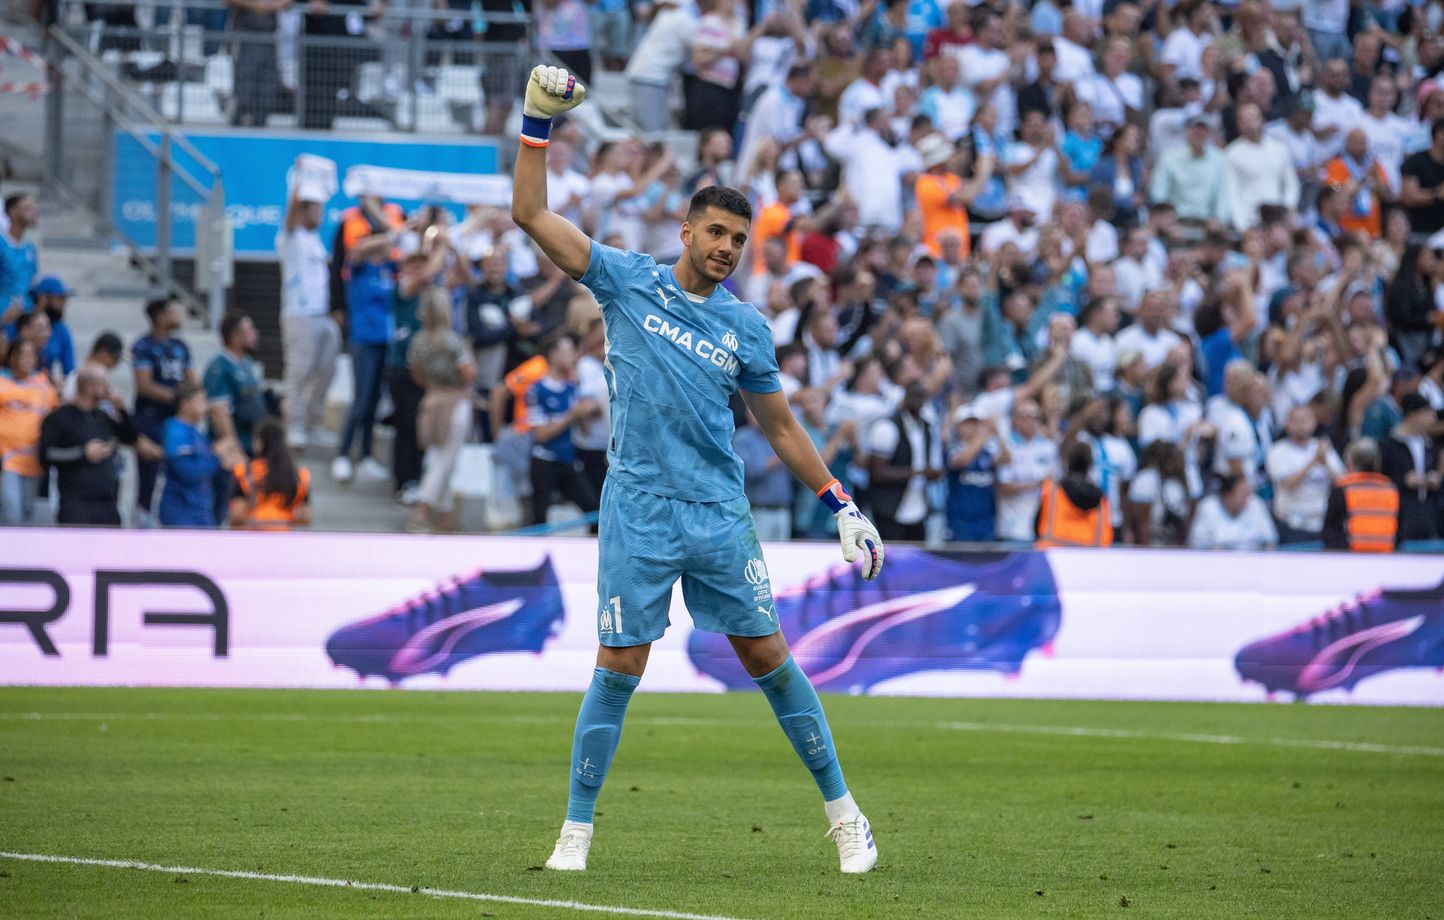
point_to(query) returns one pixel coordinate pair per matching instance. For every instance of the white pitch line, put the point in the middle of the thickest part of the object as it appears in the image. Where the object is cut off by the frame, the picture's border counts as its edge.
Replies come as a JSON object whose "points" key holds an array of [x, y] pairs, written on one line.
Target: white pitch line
{"points": [[362, 886], [1086, 732]]}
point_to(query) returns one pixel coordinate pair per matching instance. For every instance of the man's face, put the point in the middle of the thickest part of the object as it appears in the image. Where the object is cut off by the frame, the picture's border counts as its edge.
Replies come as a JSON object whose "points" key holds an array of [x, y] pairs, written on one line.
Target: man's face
{"points": [[1250, 120], [824, 329], [246, 336], [714, 241], [1027, 418], [915, 398], [1357, 145], [562, 359], [1381, 95], [311, 214], [38, 332], [1300, 425], [992, 32], [1336, 77], [24, 211], [1235, 499], [1197, 137]]}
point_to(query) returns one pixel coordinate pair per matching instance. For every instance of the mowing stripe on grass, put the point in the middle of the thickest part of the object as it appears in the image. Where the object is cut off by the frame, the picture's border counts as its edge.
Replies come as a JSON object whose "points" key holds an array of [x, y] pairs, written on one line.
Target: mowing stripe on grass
{"points": [[1086, 732], [362, 886], [1080, 731]]}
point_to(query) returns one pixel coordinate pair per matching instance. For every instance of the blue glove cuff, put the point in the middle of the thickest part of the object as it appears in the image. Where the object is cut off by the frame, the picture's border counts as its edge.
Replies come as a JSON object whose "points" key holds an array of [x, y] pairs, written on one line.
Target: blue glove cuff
{"points": [[535, 132], [833, 496]]}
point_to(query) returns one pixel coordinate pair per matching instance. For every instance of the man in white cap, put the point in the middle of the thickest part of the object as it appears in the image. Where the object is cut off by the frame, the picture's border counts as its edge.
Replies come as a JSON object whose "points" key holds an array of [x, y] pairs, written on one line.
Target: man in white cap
{"points": [[310, 338]]}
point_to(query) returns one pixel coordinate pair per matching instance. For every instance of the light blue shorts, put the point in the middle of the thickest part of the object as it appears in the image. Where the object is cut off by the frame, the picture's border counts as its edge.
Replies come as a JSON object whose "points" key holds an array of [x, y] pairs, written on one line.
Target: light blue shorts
{"points": [[649, 541]]}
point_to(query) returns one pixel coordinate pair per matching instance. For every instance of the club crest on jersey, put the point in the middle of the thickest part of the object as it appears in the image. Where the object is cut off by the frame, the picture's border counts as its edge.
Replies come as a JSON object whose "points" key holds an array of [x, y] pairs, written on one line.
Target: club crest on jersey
{"points": [[755, 572], [729, 341], [720, 356]]}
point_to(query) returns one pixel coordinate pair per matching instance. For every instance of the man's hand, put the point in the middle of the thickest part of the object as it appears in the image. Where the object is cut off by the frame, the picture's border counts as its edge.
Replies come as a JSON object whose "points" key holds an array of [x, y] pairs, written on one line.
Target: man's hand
{"points": [[551, 91], [97, 450], [855, 531]]}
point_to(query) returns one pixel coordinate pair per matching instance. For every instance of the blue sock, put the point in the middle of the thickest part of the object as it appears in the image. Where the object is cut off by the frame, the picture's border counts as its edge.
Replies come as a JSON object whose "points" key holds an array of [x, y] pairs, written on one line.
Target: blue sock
{"points": [[800, 712], [599, 728]]}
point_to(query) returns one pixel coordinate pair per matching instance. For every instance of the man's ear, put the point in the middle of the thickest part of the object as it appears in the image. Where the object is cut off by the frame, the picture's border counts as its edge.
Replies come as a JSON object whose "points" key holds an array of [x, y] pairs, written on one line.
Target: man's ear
{"points": [[686, 233]]}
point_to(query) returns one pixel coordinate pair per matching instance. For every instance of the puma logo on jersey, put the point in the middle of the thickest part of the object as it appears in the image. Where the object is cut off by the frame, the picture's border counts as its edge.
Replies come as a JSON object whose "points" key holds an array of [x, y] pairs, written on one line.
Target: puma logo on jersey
{"points": [[683, 339]]}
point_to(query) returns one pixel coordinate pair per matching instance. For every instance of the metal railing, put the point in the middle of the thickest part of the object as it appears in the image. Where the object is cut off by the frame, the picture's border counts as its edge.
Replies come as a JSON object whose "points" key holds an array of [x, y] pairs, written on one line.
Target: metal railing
{"points": [[90, 113], [447, 71]]}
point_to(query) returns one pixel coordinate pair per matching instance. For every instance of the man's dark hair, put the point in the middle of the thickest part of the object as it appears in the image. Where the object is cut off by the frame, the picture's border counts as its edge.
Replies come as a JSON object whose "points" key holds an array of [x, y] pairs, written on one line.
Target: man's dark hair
{"points": [[1228, 482], [154, 308], [720, 196], [107, 343], [186, 391], [12, 200], [1080, 459], [555, 341], [231, 322], [23, 321]]}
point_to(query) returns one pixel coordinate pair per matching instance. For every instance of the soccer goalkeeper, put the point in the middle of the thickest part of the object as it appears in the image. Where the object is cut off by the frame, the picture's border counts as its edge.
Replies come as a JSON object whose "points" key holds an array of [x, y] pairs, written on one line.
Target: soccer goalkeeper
{"points": [[678, 346]]}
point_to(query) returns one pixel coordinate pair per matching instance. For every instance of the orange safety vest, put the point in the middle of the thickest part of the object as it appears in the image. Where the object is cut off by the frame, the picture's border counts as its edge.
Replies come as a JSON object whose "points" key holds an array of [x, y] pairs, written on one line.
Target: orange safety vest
{"points": [[1371, 506], [1062, 523], [268, 510]]}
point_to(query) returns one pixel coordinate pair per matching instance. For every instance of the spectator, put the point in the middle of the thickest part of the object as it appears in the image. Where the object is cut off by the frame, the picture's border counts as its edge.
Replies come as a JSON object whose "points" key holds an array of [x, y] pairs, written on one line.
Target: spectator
{"points": [[1183, 52], [1362, 185], [415, 274], [1296, 132], [1363, 508], [711, 89], [1073, 511], [553, 408], [1192, 179], [873, 170], [1259, 173], [1151, 335], [50, 296], [19, 258], [332, 46], [765, 480], [1387, 132], [442, 365], [973, 461], [1335, 111], [1114, 94], [1411, 304], [990, 67], [79, 439], [161, 362], [105, 355], [1422, 184], [1036, 170], [369, 293], [1105, 424], [612, 32], [26, 397], [904, 455], [1159, 504], [564, 28], [658, 58], [258, 91], [1081, 149], [1093, 342], [233, 388], [1120, 170], [270, 491], [1238, 447], [1302, 468], [948, 104], [1410, 459], [310, 338], [593, 427], [191, 463], [1234, 519], [1045, 94], [1031, 460]]}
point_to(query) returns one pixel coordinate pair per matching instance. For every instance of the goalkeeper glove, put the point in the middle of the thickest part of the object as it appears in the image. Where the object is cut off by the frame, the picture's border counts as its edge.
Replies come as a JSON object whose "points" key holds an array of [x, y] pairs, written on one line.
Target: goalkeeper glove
{"points": [[856, 532], [549, 92]]}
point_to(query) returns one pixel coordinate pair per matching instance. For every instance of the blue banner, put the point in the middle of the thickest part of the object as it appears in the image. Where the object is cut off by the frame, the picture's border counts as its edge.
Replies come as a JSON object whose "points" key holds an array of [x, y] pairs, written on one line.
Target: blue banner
{"points": [[253, 168]]}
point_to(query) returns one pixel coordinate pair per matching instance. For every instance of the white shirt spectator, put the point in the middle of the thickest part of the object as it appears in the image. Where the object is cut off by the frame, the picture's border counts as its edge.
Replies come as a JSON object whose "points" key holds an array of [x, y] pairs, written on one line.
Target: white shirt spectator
{"points": [[864, 408], [1028, 462], [979, 65], [858, 99], [1169, 422], [1237, 440], [1101, 244], [1154, 346], [1184, 51], [1213, 528], [1133, 279], [1258, 174], [776, 114], [305, 273], [1342, 112], [1386, 142], [1114, 463], [1110, 98], [1004, 231], [769, 60], [1163, 497], [592, 434], [871, 171], [664, 47], [568, 193], [1326, 15], [1099, 352], [1304, 149], [1075, 63], [624, 218], [882, 441], [1303, 506], [951, 110], [1037, 185]]}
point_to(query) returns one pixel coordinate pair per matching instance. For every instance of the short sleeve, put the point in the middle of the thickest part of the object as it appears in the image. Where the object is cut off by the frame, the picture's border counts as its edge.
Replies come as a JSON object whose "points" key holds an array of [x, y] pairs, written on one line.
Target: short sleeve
{"points": [[536, 410], [759, 374], [218, 387], [609, 269], [142, 355]]}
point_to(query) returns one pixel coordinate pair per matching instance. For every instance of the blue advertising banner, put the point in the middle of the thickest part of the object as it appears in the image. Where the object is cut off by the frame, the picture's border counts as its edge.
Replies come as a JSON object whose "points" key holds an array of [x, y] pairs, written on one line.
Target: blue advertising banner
{"points": [[254, 167]]}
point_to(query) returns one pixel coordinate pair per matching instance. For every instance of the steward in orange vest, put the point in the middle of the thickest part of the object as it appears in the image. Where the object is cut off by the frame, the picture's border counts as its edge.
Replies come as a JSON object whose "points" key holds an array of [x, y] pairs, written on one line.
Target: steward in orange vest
{"points": [[1363, 511], [1074, 512]]}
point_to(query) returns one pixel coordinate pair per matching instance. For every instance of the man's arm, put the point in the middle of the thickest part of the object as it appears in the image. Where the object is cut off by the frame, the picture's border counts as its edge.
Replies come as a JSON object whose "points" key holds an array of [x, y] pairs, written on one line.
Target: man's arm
{"points": [[549, 91]]}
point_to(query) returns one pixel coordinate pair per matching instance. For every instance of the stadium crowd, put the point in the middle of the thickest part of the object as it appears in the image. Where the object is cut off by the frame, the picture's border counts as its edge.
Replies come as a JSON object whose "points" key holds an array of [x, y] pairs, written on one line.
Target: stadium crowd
{"points": [[1158, 273]]}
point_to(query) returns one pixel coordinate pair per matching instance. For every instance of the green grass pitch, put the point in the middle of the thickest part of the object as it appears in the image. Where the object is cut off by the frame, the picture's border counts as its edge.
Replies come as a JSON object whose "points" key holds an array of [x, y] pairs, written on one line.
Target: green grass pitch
{"points": [[1009, 812]]}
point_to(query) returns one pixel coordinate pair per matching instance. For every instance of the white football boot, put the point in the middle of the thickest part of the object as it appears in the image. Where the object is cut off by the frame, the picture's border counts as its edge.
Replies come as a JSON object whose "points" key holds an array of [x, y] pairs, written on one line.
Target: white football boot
{"points": [[855, 849], [570, 853]]}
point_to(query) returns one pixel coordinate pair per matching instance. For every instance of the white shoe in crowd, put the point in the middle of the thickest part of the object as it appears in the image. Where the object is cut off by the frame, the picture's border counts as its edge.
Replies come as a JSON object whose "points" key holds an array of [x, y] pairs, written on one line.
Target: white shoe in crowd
{"points": [[369, 470], [296, 439], [341, 469], [410, 495]]}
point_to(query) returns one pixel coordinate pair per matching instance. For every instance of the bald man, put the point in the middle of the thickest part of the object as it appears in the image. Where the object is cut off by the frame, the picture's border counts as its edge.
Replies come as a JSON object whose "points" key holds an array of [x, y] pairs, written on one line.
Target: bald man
{"points": [[79, 439]]}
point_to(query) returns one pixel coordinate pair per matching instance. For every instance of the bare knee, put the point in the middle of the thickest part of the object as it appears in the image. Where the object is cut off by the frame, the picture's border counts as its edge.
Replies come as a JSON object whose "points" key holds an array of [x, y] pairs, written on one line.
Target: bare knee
{"points": [[631, 659], [760, 654]]}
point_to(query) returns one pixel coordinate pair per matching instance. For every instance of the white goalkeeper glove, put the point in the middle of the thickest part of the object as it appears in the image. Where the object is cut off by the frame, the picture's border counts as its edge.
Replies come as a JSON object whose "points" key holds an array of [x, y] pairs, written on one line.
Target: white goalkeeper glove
{"points": [[549, 92], [857, 533]]}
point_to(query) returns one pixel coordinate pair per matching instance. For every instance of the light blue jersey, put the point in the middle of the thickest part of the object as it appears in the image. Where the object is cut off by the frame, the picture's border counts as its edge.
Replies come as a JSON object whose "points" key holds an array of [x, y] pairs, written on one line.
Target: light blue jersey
{"points": [[673, 361]]}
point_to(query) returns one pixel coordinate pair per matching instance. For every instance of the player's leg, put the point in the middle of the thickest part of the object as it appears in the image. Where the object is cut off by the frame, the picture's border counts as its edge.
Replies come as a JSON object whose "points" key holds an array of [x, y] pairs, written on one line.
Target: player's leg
{"points": [[728, 591], [634, 584]]}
